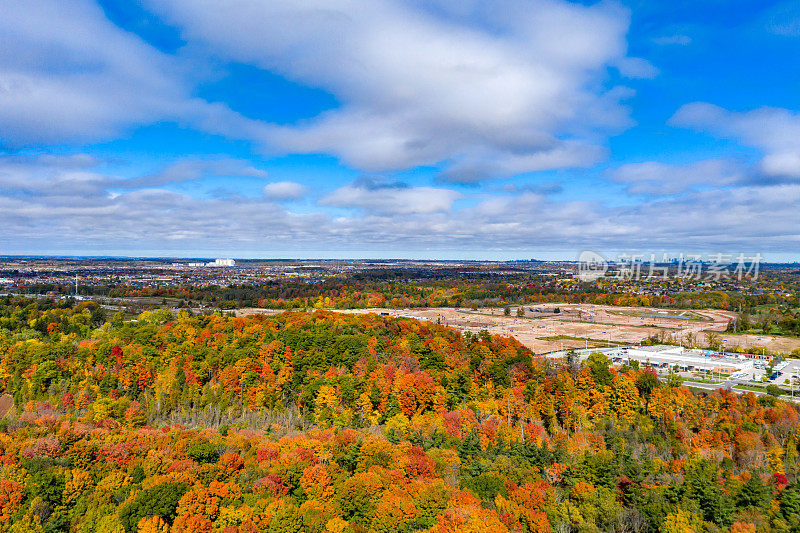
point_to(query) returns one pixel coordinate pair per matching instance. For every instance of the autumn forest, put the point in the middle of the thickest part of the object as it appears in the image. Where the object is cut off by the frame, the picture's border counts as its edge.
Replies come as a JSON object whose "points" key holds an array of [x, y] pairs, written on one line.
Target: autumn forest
{"points": [[326, 422]]}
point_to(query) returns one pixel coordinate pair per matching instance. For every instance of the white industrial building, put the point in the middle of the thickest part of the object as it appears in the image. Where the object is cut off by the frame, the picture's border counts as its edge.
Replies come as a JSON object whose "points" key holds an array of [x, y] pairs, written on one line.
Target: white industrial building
{"points": [[222, 263], [214, 263], [664, 358]]}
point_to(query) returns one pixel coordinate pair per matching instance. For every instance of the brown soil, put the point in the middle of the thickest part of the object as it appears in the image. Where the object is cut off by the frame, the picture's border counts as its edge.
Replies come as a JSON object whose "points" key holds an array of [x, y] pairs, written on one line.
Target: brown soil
{"points": [[578, 324]]}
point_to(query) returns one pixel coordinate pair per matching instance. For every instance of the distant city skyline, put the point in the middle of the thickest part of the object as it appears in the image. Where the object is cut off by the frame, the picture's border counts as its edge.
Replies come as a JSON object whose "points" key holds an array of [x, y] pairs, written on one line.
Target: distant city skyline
{"points": [[504, 130], [622, 257]]}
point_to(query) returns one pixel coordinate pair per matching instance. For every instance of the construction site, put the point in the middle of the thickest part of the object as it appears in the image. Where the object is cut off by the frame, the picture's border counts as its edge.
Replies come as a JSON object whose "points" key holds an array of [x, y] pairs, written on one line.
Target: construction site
{"points": [[547, 328]]}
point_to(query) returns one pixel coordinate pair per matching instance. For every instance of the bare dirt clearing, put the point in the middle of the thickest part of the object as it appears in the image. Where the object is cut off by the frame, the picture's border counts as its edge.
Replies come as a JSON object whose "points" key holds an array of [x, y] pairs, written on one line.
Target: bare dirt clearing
{"points": [[581, 325]]}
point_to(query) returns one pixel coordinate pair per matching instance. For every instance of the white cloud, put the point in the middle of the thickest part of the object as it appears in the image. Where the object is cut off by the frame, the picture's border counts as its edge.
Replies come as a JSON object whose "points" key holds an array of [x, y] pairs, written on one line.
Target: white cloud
{"points": [[68, 74], [775, 131], [479, 164], [284, 190], [192, 169], [481, 89], [425, 83], [636, 67], [392, 199], [70, 177], [661, 179], [76, 178], [63, 204]]}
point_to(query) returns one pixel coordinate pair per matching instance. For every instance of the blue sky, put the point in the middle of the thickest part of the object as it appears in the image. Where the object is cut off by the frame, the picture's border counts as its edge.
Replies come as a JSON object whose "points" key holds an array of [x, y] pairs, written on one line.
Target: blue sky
{"points": [[399, 128]]}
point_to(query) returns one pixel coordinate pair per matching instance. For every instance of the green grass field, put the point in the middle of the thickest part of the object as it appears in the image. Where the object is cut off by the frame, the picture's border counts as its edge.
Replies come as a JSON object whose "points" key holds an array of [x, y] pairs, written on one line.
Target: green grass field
{"points": [[647, 313], [593, 343]]}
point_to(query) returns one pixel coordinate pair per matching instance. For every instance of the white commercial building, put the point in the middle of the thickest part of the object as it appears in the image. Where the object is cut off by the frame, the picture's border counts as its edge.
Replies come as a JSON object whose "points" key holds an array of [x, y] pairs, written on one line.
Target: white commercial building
{"points": [[221, 263], [214, 263], [664, 358]]}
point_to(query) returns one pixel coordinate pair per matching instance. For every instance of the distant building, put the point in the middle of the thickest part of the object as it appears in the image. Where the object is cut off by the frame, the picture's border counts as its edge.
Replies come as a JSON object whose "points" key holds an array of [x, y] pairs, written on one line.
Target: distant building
{"points": [[222, 263], [215, 263]]}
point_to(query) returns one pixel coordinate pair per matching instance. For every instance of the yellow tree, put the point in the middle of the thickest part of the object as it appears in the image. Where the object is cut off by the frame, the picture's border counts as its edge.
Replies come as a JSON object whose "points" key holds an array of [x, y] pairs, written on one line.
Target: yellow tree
{"points": [[395, 509], [152, 524], [624, 397], [682, 522], [326, 406]]}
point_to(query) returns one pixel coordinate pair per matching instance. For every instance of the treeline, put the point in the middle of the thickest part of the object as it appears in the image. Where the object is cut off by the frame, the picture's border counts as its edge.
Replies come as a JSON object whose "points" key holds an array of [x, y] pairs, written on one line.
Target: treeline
{"points": [[313, 422], [769, 321], [494, 291]]}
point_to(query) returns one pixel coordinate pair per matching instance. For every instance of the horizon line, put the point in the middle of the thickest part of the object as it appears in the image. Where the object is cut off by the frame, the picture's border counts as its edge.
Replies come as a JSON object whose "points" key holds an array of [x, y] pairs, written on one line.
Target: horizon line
{"points": [[322, 258]]}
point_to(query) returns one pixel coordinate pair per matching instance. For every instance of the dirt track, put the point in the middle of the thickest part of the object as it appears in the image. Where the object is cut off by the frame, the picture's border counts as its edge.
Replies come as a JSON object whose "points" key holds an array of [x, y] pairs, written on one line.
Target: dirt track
{"points": [[579, 325]]}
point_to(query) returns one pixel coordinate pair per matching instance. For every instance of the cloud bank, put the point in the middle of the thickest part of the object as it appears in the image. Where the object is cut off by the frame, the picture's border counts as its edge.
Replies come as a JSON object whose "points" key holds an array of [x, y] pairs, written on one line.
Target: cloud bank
{"points": [[433, 99], [486, 90], [98, 213], [776, 132]]}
